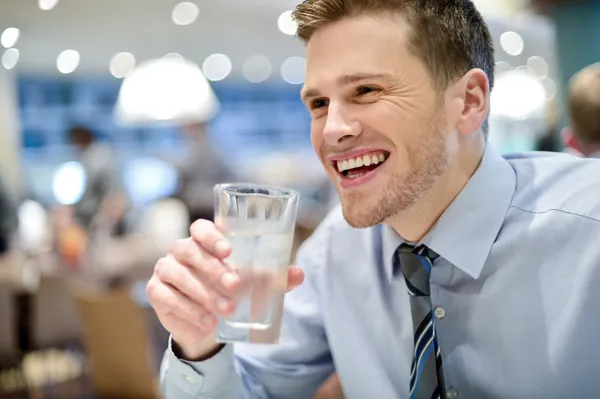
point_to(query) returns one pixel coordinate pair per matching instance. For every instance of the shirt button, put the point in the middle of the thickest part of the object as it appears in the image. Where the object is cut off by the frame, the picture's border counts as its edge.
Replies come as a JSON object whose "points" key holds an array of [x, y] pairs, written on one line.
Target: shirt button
{"points": [[190, 379], [439, 313], [451, 394]]}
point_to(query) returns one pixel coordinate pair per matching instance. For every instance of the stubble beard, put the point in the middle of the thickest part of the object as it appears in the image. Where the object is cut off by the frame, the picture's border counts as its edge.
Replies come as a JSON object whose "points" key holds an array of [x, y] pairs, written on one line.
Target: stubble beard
{"points": [[429, 163]]}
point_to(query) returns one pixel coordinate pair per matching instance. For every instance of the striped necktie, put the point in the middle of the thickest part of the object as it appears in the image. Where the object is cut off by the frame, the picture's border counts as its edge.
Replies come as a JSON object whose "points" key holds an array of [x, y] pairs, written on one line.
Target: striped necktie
{"points": [[426, 374]]}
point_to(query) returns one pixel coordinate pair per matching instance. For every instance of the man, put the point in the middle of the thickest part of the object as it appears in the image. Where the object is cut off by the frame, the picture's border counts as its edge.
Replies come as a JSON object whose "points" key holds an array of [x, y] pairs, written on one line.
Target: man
{"points": [[456, 273], [584, 106], [103, 204], [201, 168]]}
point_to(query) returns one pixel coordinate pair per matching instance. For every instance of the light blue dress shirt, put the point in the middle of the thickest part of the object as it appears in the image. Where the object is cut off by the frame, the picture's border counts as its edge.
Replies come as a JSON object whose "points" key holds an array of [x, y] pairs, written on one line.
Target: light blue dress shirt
{"points": [[516, 294]]}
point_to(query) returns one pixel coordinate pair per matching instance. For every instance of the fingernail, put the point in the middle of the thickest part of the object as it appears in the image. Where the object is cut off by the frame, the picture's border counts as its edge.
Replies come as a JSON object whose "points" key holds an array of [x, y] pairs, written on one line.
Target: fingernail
{"points": [[207, 320], [228, 280], [221, 246], [223, 305]]}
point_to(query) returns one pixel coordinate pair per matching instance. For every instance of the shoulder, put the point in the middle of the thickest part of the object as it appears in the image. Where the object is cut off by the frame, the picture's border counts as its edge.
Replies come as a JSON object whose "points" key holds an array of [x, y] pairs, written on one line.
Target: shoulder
{"points": [[551, 182]]}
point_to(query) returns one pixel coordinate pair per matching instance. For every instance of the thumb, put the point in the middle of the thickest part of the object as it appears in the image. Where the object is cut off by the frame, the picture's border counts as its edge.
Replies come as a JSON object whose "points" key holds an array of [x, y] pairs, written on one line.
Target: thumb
{"points": [[295, 278]]}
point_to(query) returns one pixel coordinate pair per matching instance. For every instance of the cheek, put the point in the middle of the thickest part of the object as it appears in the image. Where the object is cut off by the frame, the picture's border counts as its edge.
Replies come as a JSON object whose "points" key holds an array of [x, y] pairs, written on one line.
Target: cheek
{"points": [[316, 134], [400, 127], [390, 123]]}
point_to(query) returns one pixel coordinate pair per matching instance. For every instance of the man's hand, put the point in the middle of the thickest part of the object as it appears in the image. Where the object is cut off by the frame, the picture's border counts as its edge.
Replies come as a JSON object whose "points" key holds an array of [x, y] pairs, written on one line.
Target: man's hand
{"points": [[191, 286]]}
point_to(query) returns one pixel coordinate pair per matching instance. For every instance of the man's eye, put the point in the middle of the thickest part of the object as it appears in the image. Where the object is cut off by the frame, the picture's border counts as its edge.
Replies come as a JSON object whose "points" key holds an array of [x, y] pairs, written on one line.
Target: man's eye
{"points": [[319, 103], [363, 90]]}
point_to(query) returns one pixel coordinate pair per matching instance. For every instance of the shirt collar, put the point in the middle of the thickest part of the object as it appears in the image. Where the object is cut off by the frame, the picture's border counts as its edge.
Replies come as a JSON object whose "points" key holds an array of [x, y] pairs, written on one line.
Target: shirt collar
{"points": [[466, 231]]}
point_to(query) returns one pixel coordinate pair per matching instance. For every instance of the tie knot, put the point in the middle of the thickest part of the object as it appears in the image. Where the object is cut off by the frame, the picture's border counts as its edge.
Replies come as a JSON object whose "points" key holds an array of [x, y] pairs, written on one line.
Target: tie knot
{"points": [[415, 263], [420, 250]]}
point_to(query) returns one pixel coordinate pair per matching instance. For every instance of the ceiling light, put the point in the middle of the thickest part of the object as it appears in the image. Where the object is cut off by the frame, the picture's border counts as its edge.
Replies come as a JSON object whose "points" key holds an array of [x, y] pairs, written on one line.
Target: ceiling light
{"points": [[517, 95], [257, 69], [293, 70], [10, 58], [9, 37], [68, 61], [512, 43], [286, 23], [47, 4], [525, 69], [122, 64], [166, 89], [216, 67], [502, 67], [539, 65], [174, 57], [185, 13]]}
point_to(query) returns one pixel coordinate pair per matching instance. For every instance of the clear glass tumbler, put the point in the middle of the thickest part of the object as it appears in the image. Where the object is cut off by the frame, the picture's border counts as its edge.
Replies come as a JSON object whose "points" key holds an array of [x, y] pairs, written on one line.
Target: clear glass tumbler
{"points": [[259, 221]]}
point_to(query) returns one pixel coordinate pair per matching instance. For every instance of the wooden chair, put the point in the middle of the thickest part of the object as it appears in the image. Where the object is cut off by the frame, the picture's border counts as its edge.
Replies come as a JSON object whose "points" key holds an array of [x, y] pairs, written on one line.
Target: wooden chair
{"points": [[117, 344]]}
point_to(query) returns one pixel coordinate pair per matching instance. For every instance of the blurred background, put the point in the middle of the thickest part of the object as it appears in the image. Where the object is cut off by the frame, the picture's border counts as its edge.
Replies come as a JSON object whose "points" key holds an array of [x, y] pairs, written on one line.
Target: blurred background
{"points": [[118, 117]]}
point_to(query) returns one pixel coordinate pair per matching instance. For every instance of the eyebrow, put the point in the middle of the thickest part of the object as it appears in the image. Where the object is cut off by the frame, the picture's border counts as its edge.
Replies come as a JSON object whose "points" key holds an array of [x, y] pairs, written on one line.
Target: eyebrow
{"points": [[346, 80]]}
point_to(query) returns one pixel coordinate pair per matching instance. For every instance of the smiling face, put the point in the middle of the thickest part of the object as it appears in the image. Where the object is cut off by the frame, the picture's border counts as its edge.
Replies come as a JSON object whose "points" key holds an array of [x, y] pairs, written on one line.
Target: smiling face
{"points": [[378, 123]]}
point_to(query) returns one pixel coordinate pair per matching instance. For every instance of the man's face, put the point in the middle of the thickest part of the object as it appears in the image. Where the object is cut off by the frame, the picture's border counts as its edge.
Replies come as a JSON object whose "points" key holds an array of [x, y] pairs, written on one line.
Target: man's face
{"points": [[377, 121]]}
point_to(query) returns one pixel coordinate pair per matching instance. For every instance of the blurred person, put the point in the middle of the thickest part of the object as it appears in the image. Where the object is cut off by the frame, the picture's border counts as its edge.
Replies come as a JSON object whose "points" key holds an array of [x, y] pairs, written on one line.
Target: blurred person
{"points": [[549, 141], [9, 220], [449, 271], [200, 170], [104, 201], [584, 107]]}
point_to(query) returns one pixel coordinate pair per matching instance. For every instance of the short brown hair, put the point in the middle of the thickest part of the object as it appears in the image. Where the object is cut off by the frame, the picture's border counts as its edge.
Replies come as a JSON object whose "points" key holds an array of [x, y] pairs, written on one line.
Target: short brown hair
{"points": [[584, 104], [449, 36]]}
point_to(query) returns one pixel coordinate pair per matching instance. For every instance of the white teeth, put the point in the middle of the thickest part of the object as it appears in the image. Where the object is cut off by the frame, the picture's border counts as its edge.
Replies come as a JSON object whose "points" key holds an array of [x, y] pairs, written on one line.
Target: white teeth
{"points": [[356, 176], [363, 160]]}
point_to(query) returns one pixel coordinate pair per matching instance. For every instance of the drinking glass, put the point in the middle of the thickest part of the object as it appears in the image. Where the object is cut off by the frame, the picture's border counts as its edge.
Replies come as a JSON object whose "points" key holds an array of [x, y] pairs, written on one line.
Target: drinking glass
{"points": [[259, 221]]}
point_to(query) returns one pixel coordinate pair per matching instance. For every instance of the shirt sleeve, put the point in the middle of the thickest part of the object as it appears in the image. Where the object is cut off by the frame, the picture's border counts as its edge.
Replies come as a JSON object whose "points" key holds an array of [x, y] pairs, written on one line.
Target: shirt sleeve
{"points": [[293, 369], [214, 378]]}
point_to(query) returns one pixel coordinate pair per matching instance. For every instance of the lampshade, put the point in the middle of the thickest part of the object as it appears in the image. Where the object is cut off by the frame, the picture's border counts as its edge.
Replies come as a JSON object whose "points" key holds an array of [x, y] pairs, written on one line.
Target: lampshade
{"points": [[166, 89]]}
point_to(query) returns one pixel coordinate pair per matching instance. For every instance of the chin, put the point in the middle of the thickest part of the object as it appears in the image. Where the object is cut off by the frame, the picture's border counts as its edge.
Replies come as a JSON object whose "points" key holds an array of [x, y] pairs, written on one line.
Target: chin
{"points": [[362, 213], [376, 205]]}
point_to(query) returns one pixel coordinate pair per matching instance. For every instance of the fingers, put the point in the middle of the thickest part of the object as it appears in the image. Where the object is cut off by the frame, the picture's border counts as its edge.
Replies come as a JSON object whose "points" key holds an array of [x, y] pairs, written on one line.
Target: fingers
{"points": [[166, 301], [210, 238], [191, 285], [212, 270], [295, 278]]}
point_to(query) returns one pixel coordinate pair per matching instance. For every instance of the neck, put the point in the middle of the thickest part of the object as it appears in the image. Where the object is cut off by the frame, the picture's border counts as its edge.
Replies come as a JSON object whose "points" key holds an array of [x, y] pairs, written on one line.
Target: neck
{"points": [[415, 222]]}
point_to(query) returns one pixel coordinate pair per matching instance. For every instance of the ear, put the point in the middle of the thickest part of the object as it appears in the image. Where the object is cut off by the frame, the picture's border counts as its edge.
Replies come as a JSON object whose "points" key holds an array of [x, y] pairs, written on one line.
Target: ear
{"points": [[569, 139], [473, 89]]}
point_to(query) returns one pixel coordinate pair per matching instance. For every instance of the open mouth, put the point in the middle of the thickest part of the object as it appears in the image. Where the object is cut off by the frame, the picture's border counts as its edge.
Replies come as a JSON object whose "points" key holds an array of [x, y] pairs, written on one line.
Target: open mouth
{"points": [[354, 168]]}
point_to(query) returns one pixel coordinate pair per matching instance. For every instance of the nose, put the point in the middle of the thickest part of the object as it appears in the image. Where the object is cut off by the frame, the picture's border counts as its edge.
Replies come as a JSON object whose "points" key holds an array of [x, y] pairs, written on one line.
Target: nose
{"points": [[340, 125]]}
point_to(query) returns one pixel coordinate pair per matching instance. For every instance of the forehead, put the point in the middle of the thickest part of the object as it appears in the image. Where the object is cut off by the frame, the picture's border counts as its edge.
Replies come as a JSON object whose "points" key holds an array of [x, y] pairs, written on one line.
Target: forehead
{"points": [[368, 44]]}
